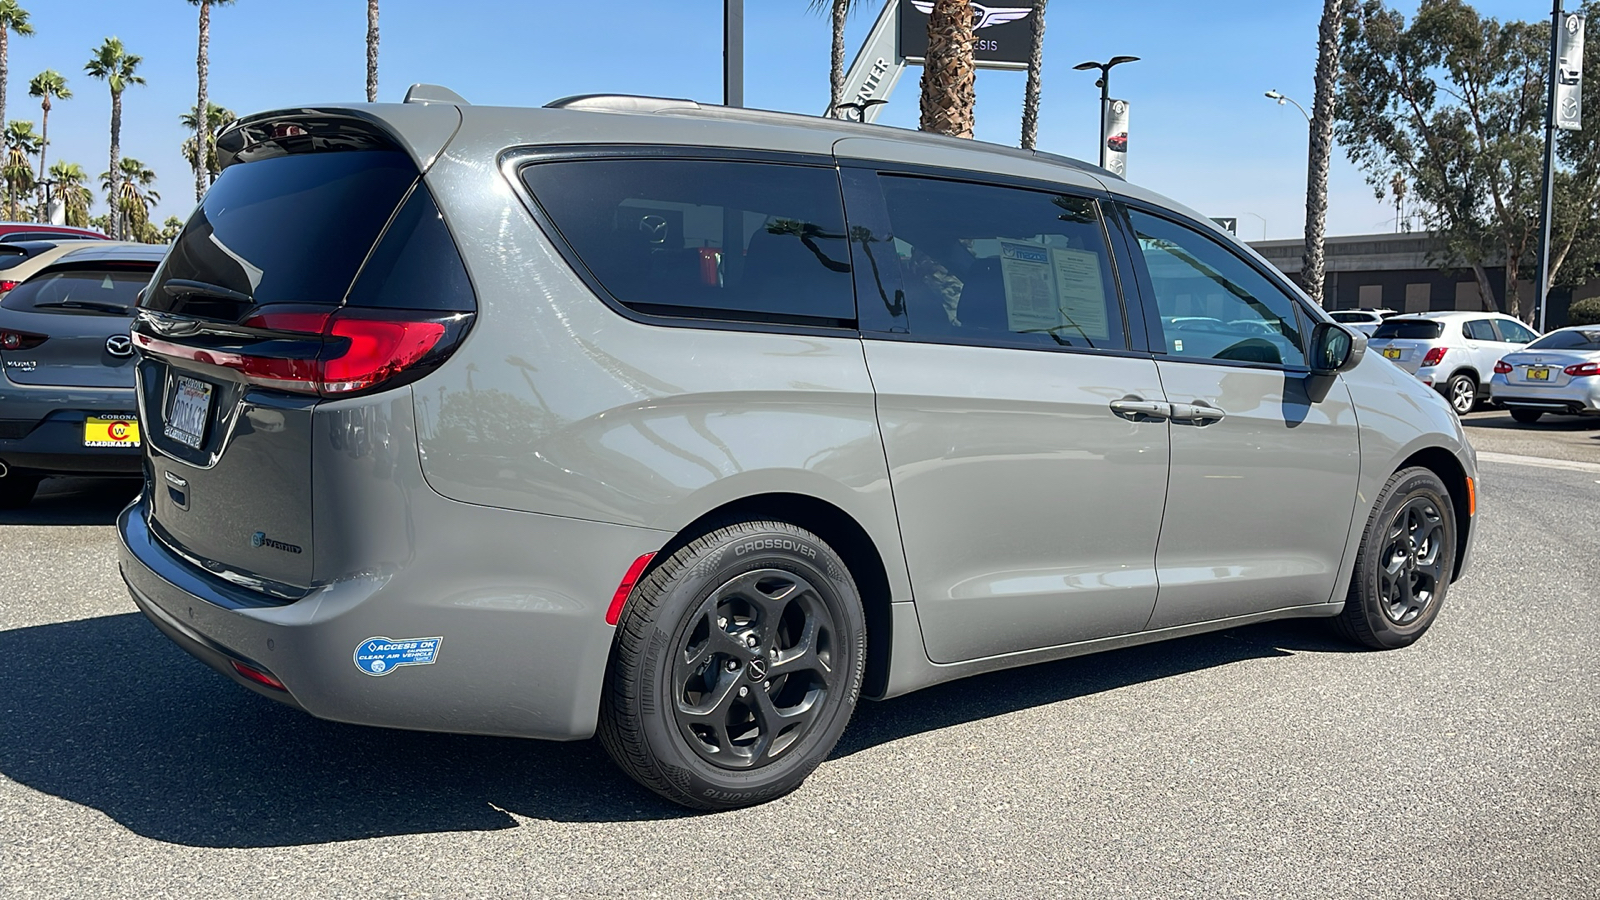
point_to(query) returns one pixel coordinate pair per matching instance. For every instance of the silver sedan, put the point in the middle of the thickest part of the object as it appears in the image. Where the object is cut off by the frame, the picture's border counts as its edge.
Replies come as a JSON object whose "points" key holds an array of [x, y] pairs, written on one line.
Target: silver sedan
{"points": [[1559, 373]]}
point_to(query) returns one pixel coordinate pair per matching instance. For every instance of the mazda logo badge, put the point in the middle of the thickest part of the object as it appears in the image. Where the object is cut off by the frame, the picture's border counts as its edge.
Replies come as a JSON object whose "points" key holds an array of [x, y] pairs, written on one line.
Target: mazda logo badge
{"points": [[119, 345]]}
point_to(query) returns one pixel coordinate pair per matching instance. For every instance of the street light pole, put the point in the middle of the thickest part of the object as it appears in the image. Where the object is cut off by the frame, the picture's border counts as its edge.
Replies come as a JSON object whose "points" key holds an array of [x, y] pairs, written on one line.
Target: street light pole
{"points": [[1282, 99], [733, 53], [1541, 289], [1104, 83]]}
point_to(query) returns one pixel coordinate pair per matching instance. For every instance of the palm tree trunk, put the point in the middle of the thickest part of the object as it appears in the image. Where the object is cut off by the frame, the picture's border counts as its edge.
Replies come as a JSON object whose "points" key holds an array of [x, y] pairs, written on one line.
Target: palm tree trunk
{"points": [[948, 75], [44, 149], [113, 220], [201, 129], [5, 69], [836, 72], [1321, 147], [1030, 99], [372, 51]]}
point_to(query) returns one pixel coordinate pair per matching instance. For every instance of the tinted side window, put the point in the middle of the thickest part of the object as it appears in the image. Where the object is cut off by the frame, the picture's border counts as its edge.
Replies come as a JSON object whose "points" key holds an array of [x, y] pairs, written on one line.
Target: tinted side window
{"points": [[1480, 330], [79, 291], [995, 264], [1213, 304], [744, 241], [1515, 332]]}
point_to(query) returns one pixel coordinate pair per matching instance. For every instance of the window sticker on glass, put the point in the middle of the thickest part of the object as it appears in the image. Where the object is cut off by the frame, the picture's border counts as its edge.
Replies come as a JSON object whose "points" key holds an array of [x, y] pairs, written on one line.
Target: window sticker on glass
{"points": [[1050, 289]]}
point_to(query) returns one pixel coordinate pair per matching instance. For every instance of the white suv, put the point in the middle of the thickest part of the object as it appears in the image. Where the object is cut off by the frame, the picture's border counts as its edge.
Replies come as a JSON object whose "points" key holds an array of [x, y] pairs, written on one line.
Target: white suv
{"points": [[1453, 352]]}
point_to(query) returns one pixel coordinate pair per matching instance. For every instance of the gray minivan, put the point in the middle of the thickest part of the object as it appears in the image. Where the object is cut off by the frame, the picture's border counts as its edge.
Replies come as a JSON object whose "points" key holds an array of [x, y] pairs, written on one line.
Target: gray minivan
{"points": [[690, 425]]}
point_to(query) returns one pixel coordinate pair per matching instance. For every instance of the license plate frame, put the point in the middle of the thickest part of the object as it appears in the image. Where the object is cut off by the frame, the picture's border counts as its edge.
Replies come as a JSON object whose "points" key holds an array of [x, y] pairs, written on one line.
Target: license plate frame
{"points": [[1538, 373], [188, 410], [1391, 353], [110, 431]]}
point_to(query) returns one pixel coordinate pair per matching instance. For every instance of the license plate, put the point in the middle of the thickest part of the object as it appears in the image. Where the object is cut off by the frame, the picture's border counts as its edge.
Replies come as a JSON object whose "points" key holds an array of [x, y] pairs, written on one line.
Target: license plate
{"points": [[99, 431], [187, 411], [1391, 353], [1539, 374]]}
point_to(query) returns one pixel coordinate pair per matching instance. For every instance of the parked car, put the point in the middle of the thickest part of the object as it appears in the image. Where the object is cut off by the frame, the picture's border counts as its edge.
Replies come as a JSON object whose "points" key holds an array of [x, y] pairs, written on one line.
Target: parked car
{"points": [[571, 420], [66, 366], [1452, 352], [1558, 374], [38, 231], [1363, 320], [23, 258]]}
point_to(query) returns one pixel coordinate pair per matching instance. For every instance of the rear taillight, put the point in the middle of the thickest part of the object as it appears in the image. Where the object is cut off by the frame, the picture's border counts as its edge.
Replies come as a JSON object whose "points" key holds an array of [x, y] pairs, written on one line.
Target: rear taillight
{"points": [[1583, 369], [6, 285], [331, 354], [20, 340], [1434, 357], [1502, 368]]}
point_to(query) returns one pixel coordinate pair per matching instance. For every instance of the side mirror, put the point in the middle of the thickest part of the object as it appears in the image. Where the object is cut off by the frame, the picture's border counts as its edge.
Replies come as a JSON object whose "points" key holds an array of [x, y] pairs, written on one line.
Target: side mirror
{"points": [[1335, 348]]}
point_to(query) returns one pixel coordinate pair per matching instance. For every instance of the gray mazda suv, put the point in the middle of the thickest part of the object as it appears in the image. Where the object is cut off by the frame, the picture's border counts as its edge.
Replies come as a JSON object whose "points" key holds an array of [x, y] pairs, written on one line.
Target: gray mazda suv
{"points": [[689, 426]]}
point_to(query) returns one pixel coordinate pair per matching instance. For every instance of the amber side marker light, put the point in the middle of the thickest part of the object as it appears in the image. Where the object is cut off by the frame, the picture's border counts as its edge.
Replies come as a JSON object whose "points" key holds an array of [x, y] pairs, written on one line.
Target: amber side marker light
{"points": [[1472, 498], [614, 612]]}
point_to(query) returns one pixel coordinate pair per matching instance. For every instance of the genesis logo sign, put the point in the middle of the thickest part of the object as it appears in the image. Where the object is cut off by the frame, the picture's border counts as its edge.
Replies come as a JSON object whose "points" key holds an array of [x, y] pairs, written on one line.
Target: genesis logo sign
{"points": [[260, 539], [982, 16]]}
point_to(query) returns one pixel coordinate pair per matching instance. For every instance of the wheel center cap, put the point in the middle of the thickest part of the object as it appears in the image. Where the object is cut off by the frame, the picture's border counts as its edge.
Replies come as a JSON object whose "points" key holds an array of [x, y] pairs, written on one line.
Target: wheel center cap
{"points": [[757, 670]]}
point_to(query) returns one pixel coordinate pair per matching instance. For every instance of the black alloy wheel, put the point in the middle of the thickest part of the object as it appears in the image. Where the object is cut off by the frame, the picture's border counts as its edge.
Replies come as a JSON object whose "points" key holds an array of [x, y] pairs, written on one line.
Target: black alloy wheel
{"points": [[737, 664], [1404, 563]]}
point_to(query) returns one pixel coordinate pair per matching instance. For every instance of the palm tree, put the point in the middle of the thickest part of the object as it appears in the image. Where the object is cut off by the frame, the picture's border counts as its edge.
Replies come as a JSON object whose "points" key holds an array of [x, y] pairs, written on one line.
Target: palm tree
{"points": [[21, 143], [115, 66], [131, 195], [372, 51], [839, 9], [217, 118], [204, 65], [1030, 99], [1321, 146], [13, 18], [45, 85], [948, 75], [75, 198]]}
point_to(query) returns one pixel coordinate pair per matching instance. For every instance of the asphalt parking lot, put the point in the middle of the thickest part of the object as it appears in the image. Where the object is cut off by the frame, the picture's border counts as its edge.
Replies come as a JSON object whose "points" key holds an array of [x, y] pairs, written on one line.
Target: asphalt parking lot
{"points": [[1267, 761]]}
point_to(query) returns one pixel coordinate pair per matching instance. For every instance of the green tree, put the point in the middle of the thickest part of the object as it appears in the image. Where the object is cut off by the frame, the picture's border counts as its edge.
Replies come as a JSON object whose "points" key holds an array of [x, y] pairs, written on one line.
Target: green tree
{"points": [[1030, 95], [217, 118], [13, 18], [115, 66], [21, 143], [169, 230], [45, 85], [72, 190], [1455, 102], [203, 65], [948, 76], [132, 193], [372, 51]]}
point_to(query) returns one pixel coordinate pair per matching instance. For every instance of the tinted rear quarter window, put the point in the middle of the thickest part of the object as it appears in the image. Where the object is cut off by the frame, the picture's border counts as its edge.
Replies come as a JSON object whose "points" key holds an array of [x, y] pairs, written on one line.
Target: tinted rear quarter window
{"points": [[290, 229], [1413, 330], [740, 241], [80, 291]]}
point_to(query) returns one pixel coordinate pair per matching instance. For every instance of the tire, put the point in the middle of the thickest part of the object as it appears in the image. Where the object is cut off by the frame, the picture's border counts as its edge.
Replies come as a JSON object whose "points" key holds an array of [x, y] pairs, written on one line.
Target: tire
{"points": [[1403, 567], [775, 603], [16, 491], [1462, 392], [1526, 416]]}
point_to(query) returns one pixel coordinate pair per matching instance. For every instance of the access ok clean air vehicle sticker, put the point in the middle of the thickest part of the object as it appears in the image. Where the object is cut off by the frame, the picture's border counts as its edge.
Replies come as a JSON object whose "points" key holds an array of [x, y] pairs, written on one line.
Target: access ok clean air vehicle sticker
{"points": [[381, 655]]}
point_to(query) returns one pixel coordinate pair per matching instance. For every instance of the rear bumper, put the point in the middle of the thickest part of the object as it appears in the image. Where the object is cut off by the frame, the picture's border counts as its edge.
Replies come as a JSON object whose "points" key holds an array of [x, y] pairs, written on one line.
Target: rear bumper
{"points": [[1581, 396], [511, 662], [41, 430]]}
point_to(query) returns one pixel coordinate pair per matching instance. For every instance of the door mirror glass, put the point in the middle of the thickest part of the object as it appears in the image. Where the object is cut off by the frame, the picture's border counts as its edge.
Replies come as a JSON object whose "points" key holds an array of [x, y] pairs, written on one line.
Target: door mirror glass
{"points": [[1335, 348]]}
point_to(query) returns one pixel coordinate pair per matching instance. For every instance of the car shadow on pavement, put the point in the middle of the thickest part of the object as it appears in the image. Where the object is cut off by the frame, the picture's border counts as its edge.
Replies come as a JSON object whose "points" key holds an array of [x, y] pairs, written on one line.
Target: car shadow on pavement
{"points": [[107, 713], [75, 501]]}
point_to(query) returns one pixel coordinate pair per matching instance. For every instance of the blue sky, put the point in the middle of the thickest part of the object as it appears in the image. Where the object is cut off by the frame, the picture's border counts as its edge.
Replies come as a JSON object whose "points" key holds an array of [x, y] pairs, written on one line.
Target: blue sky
{"points": [[1201, 131]]}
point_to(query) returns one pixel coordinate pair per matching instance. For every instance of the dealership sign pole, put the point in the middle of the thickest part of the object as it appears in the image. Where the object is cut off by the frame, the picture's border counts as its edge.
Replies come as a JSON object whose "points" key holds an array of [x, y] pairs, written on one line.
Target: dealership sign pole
{"points": [[1564, 112]]}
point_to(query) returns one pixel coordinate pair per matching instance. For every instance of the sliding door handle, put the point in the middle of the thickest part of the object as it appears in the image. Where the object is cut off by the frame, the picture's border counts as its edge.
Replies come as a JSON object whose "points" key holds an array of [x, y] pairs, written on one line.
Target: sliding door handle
{"points": [[1140, 410]]}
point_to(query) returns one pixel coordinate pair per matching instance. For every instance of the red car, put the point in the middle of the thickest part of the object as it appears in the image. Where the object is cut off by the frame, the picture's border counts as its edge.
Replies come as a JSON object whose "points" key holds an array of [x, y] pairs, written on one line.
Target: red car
{"points": [[38, 231], [1118, 143]]}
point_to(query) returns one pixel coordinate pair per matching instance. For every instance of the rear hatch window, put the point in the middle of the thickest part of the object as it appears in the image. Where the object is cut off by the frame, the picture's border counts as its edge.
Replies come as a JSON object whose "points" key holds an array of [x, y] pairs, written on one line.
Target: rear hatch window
{"points": [[320, 266], [69, 327], [1409, 329], [87, 292]]}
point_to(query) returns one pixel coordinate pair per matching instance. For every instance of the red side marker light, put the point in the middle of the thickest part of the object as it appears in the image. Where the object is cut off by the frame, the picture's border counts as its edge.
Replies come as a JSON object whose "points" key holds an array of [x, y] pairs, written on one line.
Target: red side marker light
{"points": [[614, 612], [258, 676]]}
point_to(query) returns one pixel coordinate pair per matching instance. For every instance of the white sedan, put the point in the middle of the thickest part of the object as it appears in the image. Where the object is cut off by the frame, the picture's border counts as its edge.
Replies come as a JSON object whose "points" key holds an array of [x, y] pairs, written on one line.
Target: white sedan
{"points": [[1559, 373]]}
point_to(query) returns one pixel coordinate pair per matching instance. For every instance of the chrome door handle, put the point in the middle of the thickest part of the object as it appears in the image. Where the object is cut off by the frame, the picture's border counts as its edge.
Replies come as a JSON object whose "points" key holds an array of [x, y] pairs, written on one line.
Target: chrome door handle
{"points": [[1197, 413], [1139, 410]]}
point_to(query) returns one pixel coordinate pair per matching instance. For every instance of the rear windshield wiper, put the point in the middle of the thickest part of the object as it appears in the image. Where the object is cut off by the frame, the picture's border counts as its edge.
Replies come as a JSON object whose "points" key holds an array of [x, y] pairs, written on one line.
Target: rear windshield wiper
{"points": [[183, 287], [84, 304]]}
